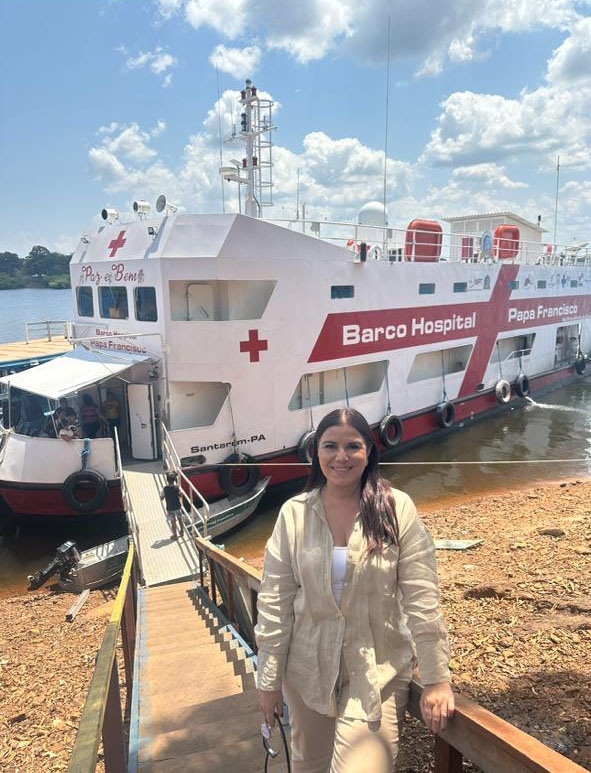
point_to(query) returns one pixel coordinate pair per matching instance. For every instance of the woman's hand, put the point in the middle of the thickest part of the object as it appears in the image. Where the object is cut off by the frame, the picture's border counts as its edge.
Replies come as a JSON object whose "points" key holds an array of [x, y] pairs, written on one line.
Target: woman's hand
{"points": [[437, 705], [271, 702]]}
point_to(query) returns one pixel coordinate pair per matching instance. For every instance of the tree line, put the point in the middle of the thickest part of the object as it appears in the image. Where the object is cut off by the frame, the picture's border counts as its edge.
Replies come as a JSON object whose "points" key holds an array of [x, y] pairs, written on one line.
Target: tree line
{"points": [[40, 268]]}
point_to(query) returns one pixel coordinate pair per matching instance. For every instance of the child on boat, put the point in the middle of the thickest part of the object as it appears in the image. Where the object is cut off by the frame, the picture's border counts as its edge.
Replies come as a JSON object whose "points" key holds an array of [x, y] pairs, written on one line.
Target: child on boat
{"points": [[174, 514]]}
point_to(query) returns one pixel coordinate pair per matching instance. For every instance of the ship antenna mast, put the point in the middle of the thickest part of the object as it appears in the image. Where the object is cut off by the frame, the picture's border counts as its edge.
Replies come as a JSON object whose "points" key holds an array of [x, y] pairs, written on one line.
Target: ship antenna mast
{"points": [[256, 170]]}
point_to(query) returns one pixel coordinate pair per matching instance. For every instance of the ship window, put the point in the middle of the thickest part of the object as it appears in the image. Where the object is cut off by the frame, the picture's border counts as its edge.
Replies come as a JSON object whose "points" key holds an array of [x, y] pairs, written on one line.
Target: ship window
{"points": [[113, 302], [145, 304], [513, 348], [196, 403], [337, 385], [342, 291], [513, 285], [574, 282], [439, 362], [460, 287], [427, 288], [219, 300], [84, 302], [541, 284]]}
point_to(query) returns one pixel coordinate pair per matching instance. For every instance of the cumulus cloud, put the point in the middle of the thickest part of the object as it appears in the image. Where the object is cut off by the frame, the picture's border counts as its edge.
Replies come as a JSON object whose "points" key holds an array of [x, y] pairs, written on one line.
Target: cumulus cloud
{"points": [[159, 61], [571, 62], [227, 17], [238, 62]]}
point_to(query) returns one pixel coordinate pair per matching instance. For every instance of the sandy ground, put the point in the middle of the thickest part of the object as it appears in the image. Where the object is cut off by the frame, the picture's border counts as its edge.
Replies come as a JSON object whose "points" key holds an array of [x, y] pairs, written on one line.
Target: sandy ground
{"points": [[518, 609]]}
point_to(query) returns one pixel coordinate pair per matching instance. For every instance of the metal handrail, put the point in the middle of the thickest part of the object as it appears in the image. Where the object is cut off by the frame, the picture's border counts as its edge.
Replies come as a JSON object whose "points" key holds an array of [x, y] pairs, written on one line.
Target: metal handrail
{"points": [[101, 715], [489, 742], [188, 492], [125, 496], [47, 324]]}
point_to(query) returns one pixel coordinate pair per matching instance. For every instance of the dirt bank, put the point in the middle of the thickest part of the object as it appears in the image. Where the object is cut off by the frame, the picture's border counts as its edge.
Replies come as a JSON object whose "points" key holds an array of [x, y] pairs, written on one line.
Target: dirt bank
{"points": [[518, 608]]}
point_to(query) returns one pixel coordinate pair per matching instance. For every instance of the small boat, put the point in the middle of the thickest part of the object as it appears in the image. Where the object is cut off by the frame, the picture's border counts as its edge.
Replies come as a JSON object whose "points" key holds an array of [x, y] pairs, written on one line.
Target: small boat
{"points": [[230, 512], [86, 569]]}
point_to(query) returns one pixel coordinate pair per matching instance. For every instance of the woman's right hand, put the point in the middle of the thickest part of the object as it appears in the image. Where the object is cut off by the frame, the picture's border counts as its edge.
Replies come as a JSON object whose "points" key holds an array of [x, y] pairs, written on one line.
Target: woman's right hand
{"points": [[271, 702]]}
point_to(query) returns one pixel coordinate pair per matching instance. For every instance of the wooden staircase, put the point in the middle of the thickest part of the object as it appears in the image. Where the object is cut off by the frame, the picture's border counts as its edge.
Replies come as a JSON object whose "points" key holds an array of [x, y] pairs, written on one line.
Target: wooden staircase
{"points": [[198, 705]]}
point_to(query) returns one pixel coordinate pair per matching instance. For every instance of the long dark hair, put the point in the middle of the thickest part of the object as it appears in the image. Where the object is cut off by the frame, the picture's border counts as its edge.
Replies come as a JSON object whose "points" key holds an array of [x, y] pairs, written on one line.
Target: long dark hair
{"points": [[376, 507]]}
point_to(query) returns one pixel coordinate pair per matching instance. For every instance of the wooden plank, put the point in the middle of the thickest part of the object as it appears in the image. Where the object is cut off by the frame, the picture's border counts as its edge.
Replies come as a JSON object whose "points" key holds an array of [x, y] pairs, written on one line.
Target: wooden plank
{"points": [[77, 605]]}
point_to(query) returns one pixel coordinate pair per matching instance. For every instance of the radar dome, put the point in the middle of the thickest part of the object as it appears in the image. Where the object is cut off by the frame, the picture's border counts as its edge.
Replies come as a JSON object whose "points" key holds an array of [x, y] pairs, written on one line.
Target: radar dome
{"points": [[373, 213]]}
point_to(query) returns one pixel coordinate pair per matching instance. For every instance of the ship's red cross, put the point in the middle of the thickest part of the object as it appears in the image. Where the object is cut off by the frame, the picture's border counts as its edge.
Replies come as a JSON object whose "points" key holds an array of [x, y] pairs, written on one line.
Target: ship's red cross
{"points": [[487, 334], [117, 243], [254, 345]]}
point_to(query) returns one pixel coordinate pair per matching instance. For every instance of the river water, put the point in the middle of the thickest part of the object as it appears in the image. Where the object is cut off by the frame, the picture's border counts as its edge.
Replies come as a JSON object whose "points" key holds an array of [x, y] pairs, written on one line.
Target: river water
{"points": [[491, 455]]}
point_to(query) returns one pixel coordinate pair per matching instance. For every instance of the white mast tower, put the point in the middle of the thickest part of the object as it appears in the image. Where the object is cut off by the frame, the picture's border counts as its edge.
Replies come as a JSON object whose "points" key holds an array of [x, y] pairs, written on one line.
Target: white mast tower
{"points": [[255, 171]]}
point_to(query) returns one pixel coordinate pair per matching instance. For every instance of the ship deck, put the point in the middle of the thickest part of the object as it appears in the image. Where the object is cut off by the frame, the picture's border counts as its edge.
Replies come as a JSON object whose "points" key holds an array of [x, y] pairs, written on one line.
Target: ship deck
{"points": [[24, 353]]}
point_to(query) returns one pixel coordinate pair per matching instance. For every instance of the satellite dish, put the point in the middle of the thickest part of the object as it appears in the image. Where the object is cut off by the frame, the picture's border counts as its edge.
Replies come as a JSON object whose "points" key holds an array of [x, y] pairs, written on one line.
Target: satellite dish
{"points": [[162, 205]]}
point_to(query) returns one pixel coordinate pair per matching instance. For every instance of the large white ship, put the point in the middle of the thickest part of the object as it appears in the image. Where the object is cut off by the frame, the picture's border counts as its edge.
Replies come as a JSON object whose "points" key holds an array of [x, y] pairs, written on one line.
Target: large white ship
{"points": [[239, 334]]}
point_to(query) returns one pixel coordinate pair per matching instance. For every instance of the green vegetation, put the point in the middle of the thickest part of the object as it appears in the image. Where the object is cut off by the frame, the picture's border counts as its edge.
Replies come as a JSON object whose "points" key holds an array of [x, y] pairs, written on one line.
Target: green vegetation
{"points": [[41, 268]]}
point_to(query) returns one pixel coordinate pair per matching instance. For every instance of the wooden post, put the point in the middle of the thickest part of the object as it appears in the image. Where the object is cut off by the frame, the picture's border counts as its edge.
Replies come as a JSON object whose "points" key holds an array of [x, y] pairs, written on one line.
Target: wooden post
{"points": [[230, 581], [447, 759], [113, 740]]}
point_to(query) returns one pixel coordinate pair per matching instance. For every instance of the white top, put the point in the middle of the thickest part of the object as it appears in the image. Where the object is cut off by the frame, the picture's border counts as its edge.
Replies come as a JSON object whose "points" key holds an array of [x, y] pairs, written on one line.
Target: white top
{"points": [[339, 566]]}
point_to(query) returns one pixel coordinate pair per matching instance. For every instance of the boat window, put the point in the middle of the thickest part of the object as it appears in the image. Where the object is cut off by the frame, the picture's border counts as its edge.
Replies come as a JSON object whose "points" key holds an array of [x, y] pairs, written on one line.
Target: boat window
{"points": [[513, 348], [196, 403], [145, 304], [113, 302], [460, 287], [219, 300], [427, 288], [574, 282], [566, 345], [513, 284], [439, 362], [342, 291], [330, 386], [541, 284], [84, 302]]}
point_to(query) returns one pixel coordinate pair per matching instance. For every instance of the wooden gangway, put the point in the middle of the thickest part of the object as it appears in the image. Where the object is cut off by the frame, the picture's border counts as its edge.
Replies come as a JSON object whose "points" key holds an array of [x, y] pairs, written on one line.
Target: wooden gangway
{"points": [[196, 707], [162, 559]]}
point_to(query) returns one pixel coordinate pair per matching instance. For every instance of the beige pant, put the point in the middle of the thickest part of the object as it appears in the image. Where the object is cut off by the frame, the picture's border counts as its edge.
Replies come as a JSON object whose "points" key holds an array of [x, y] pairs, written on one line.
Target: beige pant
{"points": [[321, 744]]}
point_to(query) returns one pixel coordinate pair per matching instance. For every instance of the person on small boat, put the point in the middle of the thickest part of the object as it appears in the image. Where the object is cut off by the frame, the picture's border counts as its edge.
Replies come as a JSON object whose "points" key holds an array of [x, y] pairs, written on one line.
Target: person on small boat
{"points": [[90, 417], [112, 413], [62, 421], [348, 607], [174, 514]]}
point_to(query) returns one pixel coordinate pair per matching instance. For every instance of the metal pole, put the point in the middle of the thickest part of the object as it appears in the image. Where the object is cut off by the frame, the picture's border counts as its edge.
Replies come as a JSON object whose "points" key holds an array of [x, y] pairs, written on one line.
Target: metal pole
{"points": [[556, 201]]}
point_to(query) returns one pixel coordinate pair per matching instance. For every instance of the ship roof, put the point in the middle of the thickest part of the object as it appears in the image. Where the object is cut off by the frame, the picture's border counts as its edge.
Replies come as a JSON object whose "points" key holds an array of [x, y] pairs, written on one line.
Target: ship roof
{"points": [[505, 213]]}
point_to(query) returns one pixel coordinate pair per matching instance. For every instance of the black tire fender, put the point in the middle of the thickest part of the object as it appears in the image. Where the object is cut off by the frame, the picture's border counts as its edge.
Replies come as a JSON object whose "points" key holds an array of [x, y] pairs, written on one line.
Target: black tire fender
{"points": [[306, 446], [522, 385], [446, 414], [86, 478], [503, 391], [390, 431], [246, 468], [580, 365]]}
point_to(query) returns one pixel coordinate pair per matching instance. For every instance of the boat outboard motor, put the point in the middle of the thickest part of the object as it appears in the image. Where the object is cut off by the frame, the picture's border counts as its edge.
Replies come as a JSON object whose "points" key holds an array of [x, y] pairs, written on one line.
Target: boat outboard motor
{"points": [[66, 558]]}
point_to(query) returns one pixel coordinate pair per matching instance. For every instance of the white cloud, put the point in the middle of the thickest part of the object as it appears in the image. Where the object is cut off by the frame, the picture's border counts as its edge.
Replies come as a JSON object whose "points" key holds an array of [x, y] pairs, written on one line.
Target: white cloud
{"points": [[227, 17], [571, 62], [238, 62], [490, 175], [159, 61], [168, 8]]}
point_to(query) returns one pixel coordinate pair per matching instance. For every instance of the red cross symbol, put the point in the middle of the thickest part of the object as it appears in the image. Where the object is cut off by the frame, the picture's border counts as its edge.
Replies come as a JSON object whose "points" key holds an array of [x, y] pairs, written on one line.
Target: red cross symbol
{"points": [[254, 345], [117, 243]]}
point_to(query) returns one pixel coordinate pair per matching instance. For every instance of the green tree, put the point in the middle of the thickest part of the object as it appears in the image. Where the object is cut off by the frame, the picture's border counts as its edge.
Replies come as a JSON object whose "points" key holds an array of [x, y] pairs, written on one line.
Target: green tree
{"points": [[10, 263]]}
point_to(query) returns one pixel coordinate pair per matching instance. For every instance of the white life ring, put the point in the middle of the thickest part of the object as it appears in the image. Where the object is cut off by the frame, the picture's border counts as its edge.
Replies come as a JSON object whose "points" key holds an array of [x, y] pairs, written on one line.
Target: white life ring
{"points": [[503, 391], [306, 446]]}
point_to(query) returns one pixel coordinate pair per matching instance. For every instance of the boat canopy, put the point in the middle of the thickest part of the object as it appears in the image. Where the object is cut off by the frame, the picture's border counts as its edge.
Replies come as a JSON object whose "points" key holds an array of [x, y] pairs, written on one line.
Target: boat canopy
{"points": [[72, 372]]}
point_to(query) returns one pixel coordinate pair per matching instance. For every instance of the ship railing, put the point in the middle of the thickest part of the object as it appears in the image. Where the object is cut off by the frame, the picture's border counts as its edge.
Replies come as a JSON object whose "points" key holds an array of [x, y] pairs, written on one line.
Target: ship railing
{"points": [[102, 715], [193, 503], [393, 244], [474, 734], [132, 522], [47, 328]]}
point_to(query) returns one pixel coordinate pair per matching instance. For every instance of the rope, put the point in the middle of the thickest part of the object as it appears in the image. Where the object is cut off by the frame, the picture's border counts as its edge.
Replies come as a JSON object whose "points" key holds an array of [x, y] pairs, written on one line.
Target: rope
{"points": [[411, 464], [84, 454]]}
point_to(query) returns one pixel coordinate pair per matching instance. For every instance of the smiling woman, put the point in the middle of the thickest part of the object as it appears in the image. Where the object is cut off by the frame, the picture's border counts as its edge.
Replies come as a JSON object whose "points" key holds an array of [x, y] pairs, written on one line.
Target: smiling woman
{"points": [[344, 664]]}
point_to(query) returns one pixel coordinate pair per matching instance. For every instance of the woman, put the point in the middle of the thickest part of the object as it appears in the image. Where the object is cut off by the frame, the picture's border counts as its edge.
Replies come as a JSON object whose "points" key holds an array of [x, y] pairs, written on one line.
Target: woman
{"points": [[347, 560], [112, 413]]}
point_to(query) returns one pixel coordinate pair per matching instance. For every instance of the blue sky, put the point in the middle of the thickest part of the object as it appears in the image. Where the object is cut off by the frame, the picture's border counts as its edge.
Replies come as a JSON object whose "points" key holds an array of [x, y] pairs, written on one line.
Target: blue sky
{"points": [[106, 101]]}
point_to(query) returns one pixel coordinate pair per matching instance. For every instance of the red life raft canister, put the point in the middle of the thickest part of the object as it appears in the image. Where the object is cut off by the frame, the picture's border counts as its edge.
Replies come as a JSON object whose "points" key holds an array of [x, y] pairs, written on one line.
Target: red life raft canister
{"points": [[423, 241]]}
